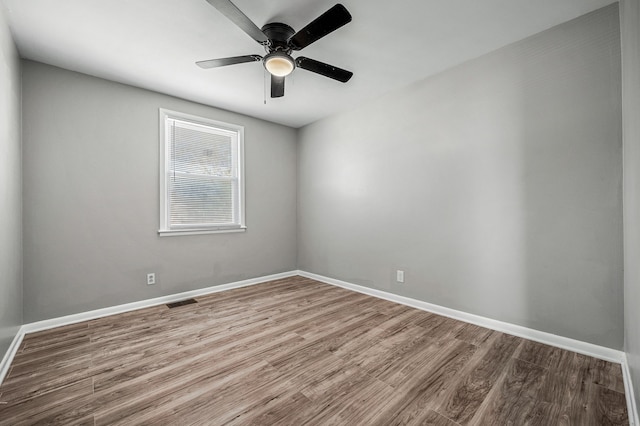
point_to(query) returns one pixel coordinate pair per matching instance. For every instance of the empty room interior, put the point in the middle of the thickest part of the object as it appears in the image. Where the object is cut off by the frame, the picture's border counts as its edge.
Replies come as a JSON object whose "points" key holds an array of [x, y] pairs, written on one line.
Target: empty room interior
{"points": [[302, 212]]}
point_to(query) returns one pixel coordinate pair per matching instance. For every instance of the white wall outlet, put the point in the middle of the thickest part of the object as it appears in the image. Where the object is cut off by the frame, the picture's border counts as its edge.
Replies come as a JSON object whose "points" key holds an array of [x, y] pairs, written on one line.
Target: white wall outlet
{"points": [[151, 278], [400, 276]]}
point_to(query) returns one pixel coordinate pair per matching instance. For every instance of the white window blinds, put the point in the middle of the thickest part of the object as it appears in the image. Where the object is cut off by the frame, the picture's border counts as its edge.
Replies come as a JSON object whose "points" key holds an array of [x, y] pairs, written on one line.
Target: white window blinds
{"points": [[202, 175]]}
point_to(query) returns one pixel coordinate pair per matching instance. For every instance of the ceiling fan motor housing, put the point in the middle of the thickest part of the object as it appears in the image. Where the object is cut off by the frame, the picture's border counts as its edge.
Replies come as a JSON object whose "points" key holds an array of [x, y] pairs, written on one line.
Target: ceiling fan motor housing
{"points": [[278, 35]]}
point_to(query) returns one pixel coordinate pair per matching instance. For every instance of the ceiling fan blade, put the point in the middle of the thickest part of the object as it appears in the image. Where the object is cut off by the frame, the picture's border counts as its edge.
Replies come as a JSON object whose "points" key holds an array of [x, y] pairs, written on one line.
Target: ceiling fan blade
{"points": [[236, 16], [324, 24], [214, 63], [324, 69], [277, 86]]}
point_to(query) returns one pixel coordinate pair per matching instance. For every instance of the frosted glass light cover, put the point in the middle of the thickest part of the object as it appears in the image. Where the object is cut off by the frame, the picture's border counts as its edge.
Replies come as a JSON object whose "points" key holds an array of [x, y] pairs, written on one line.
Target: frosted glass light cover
{"points": [[280, 66]]}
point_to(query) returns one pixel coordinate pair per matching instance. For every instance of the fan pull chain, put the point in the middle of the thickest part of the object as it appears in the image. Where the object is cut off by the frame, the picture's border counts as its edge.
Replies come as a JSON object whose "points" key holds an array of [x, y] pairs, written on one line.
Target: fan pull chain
{"points": [[264, 85]]}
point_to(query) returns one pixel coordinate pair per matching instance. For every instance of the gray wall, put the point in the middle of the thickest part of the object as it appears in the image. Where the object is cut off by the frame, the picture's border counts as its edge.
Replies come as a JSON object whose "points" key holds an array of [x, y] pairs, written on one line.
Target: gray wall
{"points": [[630, 32], [495, 186], [91, 198], [10, 189]]}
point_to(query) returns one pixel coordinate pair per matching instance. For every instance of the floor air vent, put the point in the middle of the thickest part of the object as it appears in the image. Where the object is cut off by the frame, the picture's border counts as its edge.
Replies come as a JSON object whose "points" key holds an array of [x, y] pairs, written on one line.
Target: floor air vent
{"points": [[181, 303]]}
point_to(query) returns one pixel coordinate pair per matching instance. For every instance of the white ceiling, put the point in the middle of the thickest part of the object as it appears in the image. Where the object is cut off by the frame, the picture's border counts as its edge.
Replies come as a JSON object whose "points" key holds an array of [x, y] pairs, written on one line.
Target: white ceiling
{"points": [[153, 44]]}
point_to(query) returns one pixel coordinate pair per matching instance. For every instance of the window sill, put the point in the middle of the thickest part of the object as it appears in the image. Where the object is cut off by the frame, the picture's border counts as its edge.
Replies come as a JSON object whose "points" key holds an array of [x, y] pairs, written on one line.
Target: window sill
{"points": [[177, 232]]}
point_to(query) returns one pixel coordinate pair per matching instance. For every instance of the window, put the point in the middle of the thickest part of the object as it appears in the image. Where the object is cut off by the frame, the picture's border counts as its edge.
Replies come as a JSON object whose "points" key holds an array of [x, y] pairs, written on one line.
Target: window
{"points": [[201, 175]]}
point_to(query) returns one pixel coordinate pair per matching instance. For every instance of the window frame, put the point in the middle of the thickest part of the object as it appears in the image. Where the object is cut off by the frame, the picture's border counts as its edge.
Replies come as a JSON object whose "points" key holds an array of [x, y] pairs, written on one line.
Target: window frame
{"points": [[197, 229]]}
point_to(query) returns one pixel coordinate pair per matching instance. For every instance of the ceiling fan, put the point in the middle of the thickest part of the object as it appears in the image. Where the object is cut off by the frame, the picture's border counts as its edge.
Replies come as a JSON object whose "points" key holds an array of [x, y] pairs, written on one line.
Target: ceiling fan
{"points": [[279, 40]]}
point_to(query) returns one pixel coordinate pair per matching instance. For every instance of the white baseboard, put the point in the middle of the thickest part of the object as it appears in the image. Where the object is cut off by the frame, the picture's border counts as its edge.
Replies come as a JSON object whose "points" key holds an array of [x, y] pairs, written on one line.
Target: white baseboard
{"points": [[11, 352], [584, 348], [99, 313], [630, 394]]}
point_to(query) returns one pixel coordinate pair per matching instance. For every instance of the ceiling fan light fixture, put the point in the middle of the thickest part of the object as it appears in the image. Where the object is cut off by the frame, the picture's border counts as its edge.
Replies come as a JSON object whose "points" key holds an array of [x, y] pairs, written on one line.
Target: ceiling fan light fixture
{"points": [[279, 64]]}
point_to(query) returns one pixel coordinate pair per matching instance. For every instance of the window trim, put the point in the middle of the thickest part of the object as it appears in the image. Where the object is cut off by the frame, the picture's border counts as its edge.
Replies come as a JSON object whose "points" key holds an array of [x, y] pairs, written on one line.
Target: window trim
{"points": [[165, 230]]}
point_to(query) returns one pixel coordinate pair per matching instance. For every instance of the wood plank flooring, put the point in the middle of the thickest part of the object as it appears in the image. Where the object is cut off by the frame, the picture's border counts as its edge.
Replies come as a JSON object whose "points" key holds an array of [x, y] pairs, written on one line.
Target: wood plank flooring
{"points": [[296, 351]]}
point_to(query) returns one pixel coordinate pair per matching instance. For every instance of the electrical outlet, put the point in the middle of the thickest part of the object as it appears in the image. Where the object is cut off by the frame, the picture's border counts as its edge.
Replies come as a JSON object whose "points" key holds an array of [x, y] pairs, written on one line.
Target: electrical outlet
{"points": [[151, 278], [400, 276]]}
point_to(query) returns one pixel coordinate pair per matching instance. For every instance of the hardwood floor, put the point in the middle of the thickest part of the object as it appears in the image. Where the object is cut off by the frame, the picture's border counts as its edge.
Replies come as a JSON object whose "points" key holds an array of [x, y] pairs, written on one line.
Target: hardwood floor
{"points": [[296, 351]]}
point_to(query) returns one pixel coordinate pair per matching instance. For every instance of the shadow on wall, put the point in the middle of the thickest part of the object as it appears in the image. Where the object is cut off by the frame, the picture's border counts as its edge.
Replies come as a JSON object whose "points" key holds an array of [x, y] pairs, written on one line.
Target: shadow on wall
{"points": [[572, 169]]}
